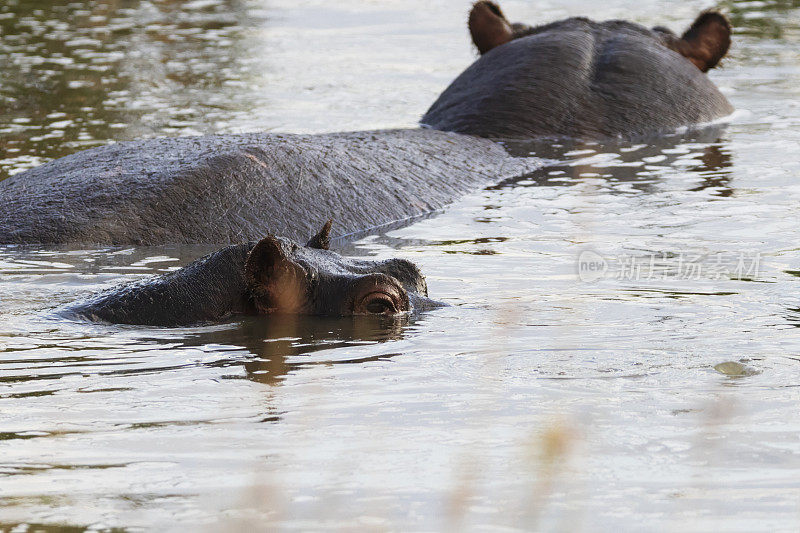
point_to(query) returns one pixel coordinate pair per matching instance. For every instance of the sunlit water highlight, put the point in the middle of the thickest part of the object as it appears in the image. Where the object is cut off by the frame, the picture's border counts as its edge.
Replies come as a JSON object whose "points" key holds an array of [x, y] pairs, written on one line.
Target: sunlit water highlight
{"points": [[658, 398]]}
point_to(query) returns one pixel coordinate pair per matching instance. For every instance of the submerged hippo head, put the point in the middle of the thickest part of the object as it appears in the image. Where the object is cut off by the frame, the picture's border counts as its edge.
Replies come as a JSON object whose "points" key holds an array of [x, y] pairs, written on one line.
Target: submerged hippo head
{"points": [[282, 277], [580, 78], [271, 276]]}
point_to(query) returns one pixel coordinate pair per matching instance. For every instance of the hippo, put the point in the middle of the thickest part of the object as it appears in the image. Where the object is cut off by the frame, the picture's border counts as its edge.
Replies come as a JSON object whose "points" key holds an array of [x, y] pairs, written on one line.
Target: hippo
{"points": [[583, 79], [573, 78], [226, 189], [274, 276]]}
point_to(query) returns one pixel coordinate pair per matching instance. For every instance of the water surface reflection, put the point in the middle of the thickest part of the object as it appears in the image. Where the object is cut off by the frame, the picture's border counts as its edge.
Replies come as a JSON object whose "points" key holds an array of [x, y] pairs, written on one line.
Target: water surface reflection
{"points": [[279, 344], [78, 74], [642, 164]]}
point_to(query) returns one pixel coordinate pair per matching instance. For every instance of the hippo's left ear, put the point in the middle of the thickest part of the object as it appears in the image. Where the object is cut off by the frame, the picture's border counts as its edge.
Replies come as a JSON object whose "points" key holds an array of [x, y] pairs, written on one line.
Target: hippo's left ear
{"points": [[322, 240], [275, 282], [707, 41], [488, 26]]}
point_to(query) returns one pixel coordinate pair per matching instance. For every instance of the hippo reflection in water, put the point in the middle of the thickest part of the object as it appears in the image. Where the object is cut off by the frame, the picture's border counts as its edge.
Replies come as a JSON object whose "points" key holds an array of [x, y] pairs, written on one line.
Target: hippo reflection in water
{"points": [[272, 276], [574, 78]]}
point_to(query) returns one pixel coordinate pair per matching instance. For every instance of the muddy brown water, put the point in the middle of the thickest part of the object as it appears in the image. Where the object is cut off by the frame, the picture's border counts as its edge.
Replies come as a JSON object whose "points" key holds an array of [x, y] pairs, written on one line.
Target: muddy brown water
{"points": [[621, 349]]}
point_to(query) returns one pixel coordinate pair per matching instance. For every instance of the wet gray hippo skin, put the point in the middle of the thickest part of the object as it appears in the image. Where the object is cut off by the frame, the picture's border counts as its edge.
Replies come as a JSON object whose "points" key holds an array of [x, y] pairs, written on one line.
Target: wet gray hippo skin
{"points": [[571, 78], [272, 276], [223, 189], [584, 79]]}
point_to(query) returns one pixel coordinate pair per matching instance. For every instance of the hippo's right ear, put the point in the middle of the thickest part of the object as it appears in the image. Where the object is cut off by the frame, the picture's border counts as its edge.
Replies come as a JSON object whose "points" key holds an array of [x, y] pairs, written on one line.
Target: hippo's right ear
{"points": [[276, 283], [488, 26], [707, 41], [322, 240]]}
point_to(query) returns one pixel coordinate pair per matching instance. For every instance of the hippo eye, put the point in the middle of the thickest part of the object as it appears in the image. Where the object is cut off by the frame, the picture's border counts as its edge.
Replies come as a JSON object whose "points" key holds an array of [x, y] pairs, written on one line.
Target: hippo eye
{"points": [[378, 294], [379, 304]]}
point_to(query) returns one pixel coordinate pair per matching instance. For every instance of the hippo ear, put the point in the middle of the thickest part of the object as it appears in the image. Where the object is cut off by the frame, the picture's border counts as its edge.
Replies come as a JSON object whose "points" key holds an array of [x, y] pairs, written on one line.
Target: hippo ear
{"points": [[275, 282], [488, 26], [707, 41], [322, 240]]}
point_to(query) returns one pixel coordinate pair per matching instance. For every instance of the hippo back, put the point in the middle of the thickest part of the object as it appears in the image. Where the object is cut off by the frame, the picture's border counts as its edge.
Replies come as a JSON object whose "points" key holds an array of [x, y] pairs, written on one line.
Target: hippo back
{"points": [[223, 189], [578, 78]]}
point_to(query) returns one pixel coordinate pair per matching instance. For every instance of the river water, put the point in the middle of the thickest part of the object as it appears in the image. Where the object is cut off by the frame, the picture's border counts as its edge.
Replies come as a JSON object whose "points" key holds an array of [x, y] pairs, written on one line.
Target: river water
{"points": [[620, 350]]}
